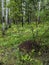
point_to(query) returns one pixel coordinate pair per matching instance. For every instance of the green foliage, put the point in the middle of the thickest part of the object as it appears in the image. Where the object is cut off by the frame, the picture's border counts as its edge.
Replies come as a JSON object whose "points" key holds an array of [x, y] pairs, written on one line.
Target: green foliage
{"points": [[9, 52], [16, 35]]}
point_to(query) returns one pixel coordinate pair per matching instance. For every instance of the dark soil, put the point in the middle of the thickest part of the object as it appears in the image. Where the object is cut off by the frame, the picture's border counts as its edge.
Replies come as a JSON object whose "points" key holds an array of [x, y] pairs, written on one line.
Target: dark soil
{"points": [[29, 45]]}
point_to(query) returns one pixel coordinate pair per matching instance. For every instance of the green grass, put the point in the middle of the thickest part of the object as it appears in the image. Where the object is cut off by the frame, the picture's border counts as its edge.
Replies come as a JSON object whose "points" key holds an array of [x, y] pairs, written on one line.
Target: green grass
{"points": [[17, 34]]}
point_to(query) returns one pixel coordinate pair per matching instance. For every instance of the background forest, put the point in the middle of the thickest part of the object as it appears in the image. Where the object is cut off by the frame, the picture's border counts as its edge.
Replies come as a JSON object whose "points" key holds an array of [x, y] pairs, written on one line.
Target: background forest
{"points": [[24, 32]]}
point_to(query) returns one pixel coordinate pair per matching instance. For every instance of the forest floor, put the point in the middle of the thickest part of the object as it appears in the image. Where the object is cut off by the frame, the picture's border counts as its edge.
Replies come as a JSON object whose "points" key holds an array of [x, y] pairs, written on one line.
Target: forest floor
{"points": [[16, 35]]}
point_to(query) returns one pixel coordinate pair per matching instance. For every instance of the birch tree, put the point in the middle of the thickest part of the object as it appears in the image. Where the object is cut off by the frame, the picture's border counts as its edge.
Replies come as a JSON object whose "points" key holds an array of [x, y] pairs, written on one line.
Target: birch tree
{"points": [[3, 19], [7, 14]]}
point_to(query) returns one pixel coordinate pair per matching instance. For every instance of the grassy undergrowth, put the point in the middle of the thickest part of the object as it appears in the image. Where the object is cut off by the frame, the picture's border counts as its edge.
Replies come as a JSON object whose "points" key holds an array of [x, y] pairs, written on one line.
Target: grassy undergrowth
{"points": [[15, 35]]}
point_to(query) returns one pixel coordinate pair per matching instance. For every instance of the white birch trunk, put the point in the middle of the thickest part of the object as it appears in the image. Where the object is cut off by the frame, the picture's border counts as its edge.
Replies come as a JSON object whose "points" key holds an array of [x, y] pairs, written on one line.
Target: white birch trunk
{"points": [[3, 21], [7, 12]]}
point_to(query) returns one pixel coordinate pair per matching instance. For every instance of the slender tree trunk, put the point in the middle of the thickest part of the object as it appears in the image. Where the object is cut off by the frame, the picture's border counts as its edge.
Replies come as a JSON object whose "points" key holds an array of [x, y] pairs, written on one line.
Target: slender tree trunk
{"points": [[6, 15], [22, 12], [9, 22], [39, 11], [3, 20]]}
